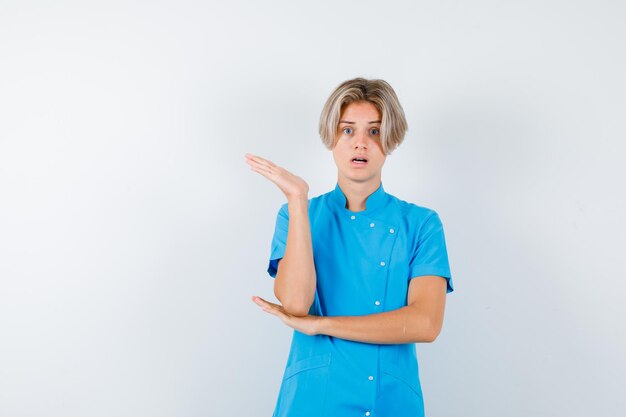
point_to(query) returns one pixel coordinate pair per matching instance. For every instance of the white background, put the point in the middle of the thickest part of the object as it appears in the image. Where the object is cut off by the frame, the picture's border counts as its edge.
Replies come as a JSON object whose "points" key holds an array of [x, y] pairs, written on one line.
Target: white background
{"points": [[132, 233]]}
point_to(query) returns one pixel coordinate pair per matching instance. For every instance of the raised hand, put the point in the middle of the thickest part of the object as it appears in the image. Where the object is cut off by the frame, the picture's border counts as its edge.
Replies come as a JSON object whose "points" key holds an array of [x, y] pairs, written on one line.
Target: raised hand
{"points": [[291, 185]]}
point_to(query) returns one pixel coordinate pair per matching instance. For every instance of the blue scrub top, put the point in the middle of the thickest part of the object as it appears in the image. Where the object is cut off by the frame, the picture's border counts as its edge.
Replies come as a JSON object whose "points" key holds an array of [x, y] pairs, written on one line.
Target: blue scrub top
{"points": [[364, 261]]}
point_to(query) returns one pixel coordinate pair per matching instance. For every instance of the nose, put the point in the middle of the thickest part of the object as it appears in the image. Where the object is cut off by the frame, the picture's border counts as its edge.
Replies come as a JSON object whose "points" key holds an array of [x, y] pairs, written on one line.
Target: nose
{"points": [[360, 141]]}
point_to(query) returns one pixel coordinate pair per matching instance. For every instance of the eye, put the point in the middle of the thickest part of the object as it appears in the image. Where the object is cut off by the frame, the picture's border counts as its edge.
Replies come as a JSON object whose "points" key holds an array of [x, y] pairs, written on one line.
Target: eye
{"points": [[347, 130], [374, 131]]}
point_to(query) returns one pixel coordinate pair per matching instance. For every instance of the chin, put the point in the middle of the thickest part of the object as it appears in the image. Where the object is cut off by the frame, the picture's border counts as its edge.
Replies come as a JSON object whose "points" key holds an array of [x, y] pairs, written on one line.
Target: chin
{"points": [[360, 177]]}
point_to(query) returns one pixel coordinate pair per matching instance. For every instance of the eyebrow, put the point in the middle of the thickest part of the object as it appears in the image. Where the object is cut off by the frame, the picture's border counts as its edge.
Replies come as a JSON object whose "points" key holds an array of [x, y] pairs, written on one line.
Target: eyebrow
{"points": [[351, 123]]}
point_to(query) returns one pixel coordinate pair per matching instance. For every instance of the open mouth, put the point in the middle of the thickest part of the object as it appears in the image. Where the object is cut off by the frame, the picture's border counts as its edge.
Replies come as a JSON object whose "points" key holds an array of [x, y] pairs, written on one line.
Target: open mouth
{"points": [[359, 160]]}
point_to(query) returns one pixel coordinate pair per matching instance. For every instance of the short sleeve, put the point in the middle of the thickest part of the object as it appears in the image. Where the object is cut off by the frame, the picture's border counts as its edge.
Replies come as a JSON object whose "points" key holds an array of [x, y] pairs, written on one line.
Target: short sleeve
{"points": [[279, 241], [431, 256]]}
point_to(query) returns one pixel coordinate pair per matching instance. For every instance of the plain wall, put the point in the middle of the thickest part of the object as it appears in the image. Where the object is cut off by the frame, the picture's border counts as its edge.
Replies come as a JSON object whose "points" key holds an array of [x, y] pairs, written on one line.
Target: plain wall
{"points": [[132, 233]]}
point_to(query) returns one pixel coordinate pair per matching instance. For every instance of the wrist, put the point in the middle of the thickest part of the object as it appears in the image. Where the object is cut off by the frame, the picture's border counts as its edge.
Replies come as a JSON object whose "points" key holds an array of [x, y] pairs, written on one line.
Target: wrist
{"points": [[298, 201], [322, 325]]}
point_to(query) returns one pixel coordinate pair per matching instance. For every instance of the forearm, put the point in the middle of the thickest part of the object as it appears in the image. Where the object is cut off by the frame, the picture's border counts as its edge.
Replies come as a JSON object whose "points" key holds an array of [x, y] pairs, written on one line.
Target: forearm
{"points": [[295, 280], [405, 325]]}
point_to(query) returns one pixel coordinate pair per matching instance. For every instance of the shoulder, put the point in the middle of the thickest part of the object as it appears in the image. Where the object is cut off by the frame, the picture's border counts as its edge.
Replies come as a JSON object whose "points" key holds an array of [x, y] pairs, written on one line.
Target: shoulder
{"points": [[319, 199], [413, 213]]}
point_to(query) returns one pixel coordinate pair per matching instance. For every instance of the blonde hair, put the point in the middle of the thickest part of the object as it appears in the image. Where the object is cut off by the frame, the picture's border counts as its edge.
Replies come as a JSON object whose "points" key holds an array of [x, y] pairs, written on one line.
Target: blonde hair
{"points": [[378, 92]]}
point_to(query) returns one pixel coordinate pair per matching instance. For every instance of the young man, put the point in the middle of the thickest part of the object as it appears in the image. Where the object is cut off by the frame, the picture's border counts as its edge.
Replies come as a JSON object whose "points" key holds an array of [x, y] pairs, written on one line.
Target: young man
{"points": [[360, 274]]}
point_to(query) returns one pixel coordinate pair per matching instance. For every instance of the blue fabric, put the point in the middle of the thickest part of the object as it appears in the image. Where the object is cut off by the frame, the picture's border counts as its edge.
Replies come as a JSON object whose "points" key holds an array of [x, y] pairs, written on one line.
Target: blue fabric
{"points": [[364, 262]]}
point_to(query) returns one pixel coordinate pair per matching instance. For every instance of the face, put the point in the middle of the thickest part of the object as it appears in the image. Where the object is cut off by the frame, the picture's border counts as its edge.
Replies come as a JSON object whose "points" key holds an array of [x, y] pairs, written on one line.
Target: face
{"points": [[357, 152]]}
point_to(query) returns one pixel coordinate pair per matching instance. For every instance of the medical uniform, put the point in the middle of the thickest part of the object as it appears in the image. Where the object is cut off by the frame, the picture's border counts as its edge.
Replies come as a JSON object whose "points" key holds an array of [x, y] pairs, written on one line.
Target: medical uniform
{"points": [[364, 261]]}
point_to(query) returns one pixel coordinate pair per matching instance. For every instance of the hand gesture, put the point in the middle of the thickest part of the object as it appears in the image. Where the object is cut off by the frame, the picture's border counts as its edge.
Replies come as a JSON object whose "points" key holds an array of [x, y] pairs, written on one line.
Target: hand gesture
{"points": [[309, 325], [291, 185]]}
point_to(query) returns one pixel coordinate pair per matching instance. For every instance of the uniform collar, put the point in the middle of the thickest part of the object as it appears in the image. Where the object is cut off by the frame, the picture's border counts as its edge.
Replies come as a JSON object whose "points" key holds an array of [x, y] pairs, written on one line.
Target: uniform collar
{"points": [[373, 202]]}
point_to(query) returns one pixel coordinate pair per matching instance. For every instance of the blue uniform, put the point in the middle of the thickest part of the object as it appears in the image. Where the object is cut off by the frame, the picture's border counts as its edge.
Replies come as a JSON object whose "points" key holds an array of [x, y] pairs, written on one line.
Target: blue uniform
{"points": [[364, 262]]}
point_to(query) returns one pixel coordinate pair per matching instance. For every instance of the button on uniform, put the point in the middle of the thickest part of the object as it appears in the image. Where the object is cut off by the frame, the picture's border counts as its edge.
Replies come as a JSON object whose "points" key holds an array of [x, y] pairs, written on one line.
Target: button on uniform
{"points": [[377, 302]]}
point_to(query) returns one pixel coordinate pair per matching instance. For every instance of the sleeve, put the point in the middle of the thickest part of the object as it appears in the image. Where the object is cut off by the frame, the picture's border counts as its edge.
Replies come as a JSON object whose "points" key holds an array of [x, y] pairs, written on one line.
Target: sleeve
{"points": [[279, 241], [431, 256]]}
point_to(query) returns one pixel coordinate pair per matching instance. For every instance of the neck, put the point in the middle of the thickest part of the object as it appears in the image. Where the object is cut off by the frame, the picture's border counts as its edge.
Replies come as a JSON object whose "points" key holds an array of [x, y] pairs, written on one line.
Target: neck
{"points": [[357, 192]]}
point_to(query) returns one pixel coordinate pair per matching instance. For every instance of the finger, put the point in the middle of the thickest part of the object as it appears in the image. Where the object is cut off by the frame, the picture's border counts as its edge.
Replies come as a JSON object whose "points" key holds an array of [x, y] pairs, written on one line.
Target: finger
{"points": [[269, 304], [263, 167], [258, 300], [263, 160], [263, 303], [272, 310], [260, 160], [270, 176]]}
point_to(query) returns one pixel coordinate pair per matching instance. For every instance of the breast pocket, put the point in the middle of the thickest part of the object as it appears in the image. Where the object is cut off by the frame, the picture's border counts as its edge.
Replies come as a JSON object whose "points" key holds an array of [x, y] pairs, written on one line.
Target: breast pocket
{"points": [[303, 390]]}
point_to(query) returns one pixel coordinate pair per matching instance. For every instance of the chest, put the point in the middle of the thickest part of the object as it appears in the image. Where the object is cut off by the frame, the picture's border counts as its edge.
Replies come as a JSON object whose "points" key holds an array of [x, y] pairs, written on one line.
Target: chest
{"points": [[362, 263]]}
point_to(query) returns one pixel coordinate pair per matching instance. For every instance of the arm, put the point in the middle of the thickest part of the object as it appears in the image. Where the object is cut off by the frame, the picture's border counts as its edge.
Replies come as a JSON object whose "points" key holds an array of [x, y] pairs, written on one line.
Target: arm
{"points": [[419, 321], [295, 280]]}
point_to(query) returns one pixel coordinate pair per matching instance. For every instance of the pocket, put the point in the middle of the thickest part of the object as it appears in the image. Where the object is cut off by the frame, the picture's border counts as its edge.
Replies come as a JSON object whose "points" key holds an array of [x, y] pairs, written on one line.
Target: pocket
{"points": [[303, 390], [410, 379], [307, 364]]}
